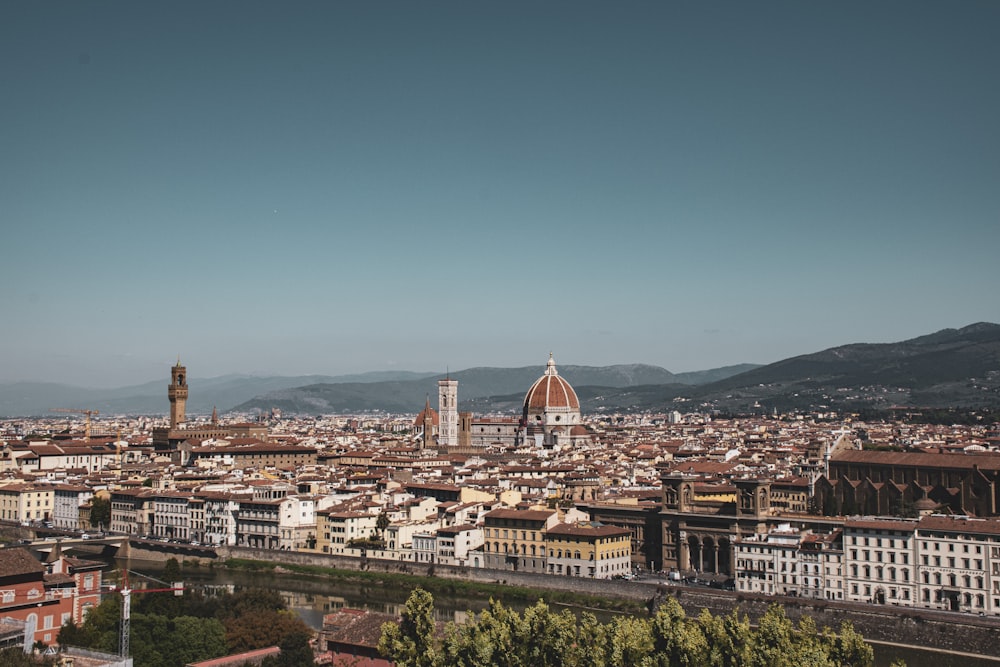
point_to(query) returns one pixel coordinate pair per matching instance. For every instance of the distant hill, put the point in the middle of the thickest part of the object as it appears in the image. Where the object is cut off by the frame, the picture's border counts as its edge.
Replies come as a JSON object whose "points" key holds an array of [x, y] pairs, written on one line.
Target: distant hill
{"points": [[37, 398], [714, 375], [476, 386], [949, 368]]}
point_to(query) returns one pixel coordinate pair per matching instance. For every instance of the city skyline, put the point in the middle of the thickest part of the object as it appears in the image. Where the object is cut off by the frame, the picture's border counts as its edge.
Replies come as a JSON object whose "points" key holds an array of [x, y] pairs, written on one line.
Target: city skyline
{"points": [[336, 188]]}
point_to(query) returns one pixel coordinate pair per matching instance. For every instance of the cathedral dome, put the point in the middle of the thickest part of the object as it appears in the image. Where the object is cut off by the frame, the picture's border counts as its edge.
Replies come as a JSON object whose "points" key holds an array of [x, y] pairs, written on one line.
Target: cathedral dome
{"points": [[428, 410], [550, 392]]}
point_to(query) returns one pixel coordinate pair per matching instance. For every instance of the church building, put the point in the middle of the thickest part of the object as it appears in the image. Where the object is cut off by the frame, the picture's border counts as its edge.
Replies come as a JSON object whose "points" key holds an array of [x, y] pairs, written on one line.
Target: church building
{"points": [[550, 417]]}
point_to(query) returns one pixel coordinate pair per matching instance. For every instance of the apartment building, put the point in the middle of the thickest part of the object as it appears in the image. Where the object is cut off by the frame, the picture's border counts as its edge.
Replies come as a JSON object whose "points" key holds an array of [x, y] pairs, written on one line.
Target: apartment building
{"points": [[881, 560], [959, 563], [221, 511], [296, 523], [66, 502], [336, 528], [131, 511], [591, 550], [23, 502], [455, 544], [257, 522], [515, 539], [788, 561]]}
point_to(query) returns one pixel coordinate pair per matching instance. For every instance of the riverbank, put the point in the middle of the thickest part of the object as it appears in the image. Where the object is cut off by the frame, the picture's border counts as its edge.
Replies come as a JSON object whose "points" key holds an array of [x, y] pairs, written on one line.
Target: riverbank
{"points": [[959, 634]]}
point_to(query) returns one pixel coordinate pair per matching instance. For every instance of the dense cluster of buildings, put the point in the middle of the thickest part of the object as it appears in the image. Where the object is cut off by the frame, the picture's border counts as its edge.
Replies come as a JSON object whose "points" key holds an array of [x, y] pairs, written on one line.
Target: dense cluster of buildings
{"points": [[814, 506]]}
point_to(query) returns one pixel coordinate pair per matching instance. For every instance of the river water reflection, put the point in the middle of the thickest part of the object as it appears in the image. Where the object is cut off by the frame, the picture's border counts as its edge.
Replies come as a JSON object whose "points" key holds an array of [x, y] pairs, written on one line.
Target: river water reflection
{"points": [[312, 598]]}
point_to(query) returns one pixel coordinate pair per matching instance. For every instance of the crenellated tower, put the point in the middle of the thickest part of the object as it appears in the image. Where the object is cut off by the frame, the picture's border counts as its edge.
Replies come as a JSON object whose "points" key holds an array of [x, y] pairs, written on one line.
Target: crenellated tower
{"points": [[177, 392]]}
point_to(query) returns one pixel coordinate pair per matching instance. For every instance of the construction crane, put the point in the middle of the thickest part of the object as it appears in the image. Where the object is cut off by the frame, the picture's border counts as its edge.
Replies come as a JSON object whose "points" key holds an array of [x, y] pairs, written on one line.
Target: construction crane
{"points": [[86, 433], [177, 588]]}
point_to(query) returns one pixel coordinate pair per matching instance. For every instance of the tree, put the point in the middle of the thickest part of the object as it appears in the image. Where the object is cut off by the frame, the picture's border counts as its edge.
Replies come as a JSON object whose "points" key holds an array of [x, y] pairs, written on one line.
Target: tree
{"points": [[500, 637], [849, 648], [170, 631], [100, 512], [382, 523], [171, 570], [295, 652], [16, 657], [262, 628], [728, 638], [411, 642], [490, 639], [197, 639], [591, 646], [771, 645], [677, 641], [547, 637], [100, 629], [631, 641]]}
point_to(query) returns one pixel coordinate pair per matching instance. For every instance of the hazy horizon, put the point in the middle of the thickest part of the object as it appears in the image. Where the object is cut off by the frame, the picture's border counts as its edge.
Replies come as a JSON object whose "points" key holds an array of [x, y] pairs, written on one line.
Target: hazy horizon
{"points": [[196, 378]]}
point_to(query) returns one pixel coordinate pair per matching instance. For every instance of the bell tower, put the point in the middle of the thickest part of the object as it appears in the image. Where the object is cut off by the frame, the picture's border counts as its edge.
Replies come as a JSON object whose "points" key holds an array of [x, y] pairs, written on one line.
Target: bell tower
{"points": [[177, 392], [448, 411]]}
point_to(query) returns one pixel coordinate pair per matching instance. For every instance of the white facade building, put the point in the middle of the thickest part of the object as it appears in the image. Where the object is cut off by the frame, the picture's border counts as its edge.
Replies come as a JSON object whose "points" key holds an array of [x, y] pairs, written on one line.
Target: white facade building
{"points": [[171, 515], [786, 561], [221, 510], [881, 560], [297, 523], [959, 564], [66, 502]]}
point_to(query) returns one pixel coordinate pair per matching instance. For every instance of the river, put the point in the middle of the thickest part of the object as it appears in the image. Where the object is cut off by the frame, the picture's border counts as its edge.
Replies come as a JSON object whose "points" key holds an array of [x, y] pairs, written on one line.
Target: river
{"points": [[312, 598]]}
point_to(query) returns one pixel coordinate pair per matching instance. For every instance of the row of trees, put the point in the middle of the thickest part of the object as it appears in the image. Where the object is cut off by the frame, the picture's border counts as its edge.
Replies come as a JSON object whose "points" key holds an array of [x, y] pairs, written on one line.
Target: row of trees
{"points": [[172, 631], [540, 637]]}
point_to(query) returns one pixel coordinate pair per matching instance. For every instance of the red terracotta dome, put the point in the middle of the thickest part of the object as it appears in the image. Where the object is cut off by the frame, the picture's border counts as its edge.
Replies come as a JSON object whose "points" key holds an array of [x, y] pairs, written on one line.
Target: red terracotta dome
{"points": [[550, 391], [435, 417]]}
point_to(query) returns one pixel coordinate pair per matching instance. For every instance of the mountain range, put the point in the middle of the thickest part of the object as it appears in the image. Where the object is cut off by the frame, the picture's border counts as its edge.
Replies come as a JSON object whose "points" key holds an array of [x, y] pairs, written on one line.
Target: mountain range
{"points": [[950, 368]]}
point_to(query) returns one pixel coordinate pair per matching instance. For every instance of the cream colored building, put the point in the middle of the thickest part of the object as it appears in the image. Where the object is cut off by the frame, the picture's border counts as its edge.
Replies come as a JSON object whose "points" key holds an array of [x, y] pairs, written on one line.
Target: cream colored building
{"points": [[515, 539], [590, 550], [24, 502]]}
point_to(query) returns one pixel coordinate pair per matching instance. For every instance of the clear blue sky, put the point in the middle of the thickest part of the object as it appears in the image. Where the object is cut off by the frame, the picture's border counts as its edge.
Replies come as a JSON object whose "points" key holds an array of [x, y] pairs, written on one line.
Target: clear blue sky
{"points": [[334, 187]]}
